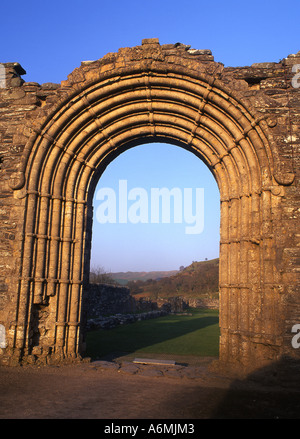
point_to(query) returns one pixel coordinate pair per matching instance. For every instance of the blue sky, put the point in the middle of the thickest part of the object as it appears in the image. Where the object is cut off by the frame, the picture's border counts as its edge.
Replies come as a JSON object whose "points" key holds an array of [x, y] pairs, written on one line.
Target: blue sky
{"points": [[50, 39], [157, 246]]}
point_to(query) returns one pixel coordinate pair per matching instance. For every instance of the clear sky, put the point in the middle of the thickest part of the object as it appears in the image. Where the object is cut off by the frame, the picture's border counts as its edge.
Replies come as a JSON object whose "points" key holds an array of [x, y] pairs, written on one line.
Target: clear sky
{"points": [[147, 246], [51, 38]]}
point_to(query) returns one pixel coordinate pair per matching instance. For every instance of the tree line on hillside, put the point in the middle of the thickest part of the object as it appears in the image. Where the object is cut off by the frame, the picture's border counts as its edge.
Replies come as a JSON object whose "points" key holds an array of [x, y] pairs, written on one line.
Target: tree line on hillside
{"points": [[198, 279]]}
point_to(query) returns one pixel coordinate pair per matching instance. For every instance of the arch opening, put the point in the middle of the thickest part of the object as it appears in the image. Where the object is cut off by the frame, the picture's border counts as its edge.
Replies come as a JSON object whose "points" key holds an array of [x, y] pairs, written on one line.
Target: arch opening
{"points": [[162, 238]]}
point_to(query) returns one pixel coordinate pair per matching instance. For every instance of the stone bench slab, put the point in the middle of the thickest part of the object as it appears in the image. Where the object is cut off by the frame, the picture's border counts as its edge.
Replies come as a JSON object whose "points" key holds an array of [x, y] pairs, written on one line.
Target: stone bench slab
{"points": [[151, 361]]}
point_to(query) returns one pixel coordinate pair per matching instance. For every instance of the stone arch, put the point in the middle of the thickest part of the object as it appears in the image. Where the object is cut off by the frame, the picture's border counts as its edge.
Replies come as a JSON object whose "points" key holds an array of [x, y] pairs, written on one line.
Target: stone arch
{"points": [[105, 111]]}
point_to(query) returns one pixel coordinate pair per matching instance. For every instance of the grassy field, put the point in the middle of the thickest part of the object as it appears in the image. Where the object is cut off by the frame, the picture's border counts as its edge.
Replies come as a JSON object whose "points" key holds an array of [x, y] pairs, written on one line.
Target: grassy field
{"points": [[195, 335]]}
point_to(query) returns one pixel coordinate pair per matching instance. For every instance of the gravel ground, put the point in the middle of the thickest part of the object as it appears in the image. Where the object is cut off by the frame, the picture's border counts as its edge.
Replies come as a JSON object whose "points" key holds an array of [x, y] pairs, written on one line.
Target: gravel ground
{"points": [[106, 390]]}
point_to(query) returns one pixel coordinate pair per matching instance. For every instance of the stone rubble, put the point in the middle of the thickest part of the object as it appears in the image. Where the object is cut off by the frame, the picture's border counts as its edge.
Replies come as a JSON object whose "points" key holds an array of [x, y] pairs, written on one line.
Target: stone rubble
{"points": [[109, 322]]}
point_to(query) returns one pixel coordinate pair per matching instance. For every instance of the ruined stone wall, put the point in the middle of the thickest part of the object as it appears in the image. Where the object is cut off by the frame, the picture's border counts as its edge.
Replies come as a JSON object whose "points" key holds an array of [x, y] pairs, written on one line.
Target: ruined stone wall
{"points": [[206, 302], [19, 101], [105, 299], [270, 90], [101, 300]]}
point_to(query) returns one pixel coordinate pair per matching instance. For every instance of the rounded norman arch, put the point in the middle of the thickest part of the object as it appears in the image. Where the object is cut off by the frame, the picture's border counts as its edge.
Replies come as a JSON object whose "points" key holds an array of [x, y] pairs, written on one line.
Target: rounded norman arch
{"points": [[104, 112]]}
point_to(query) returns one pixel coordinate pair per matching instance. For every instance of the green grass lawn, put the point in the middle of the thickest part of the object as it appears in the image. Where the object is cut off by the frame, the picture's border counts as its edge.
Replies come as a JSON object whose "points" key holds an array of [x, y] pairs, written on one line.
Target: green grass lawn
{"points": [[177, 335]]}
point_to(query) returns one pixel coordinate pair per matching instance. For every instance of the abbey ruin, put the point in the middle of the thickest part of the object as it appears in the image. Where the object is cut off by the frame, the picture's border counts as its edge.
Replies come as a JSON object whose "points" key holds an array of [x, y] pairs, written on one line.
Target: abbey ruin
{"points": [[57, 139]]}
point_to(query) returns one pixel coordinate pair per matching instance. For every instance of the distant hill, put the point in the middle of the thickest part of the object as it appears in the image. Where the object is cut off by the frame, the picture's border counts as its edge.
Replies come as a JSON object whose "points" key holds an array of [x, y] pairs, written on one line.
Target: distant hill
{"points": [[131, 276], [197, 280]]}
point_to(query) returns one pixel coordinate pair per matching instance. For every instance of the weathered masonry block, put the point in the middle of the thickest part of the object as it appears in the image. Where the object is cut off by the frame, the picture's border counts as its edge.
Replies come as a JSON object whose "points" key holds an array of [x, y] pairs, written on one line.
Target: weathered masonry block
{"points": [[56, 140]]}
